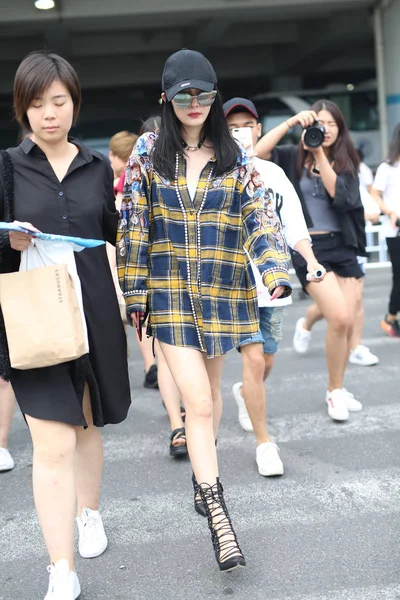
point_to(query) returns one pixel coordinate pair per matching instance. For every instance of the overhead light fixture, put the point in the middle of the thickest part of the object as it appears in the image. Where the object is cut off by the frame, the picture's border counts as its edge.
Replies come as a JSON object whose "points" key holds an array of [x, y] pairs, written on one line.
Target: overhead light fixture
{"points": [[350, 86], [44, 4]]}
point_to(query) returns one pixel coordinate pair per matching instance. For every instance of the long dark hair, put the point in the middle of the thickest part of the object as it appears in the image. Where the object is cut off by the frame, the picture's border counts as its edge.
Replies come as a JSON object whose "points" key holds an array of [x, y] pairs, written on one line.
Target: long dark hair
{"points": [[394, 148], [342, 152], [215, 129]]}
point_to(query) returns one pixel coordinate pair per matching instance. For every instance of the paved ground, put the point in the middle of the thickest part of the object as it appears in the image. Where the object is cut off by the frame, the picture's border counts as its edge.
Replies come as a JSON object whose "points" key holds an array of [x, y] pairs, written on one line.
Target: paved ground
{"points": [[327, 530]]}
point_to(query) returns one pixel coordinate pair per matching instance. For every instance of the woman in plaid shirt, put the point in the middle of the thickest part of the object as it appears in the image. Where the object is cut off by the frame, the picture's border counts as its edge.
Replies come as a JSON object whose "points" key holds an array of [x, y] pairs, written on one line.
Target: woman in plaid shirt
{"points": [[192, 203]]}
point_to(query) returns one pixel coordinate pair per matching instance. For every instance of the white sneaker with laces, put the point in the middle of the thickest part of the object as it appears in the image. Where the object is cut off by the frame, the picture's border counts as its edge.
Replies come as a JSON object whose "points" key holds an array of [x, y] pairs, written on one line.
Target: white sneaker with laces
{"points": [[268, 460], [92, 537], [243, 415], [337, 405], [353, 405], [6, 460], [63, 583], [363, 357], [301, 338]]}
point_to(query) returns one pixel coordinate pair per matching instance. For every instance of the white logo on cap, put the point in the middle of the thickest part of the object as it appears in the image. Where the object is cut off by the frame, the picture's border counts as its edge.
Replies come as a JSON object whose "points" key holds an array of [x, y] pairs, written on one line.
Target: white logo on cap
{"points": [[185, 84]]}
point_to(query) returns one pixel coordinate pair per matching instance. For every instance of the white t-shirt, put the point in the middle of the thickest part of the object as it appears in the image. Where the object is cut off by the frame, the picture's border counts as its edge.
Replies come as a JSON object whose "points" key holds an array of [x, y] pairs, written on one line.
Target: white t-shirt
{"points": [[387, 181], [365, 176], [285, 199], [369, 204]]}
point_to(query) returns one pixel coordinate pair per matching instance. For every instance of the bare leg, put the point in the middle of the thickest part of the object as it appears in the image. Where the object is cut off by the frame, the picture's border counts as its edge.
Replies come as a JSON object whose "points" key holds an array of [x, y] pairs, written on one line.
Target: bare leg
{"points": [[359, 316], [54, 485], [214, 369], [332, 302], [256, 368], [7, 402], [350, 287], [168, 390], [88, 460], [146, 350], [190, 374], [313, 315]]}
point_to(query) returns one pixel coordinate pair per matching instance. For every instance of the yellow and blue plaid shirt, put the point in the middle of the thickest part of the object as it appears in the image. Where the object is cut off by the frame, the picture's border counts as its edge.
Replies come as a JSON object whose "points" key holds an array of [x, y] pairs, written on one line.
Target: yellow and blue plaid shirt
{"points": [[185, 259]]}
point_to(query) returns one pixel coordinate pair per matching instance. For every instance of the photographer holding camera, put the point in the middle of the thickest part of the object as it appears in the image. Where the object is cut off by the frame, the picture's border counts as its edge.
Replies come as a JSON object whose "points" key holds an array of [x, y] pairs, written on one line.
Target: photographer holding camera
{"points": [[386, 192], [323, 168]]}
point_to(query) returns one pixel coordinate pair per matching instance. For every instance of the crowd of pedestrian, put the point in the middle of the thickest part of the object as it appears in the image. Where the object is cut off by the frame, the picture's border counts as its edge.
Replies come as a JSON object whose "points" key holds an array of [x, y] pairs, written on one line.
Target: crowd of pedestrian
{"points": [[200, 229]]}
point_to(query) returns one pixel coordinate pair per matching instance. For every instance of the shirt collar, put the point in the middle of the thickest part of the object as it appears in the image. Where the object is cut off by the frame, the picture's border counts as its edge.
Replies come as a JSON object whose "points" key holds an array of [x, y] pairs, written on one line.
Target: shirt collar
{"points": [[27, 145]]}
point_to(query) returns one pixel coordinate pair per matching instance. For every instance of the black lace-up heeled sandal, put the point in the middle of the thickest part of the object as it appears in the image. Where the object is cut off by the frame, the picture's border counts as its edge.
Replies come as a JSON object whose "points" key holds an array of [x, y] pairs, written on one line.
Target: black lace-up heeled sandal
{"points": [[226, 547], [199, 506]]}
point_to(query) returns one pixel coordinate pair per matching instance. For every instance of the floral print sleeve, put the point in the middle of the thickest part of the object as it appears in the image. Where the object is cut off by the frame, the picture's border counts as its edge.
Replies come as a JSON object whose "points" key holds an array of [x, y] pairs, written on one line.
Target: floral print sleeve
{"points": [[133, 229]]}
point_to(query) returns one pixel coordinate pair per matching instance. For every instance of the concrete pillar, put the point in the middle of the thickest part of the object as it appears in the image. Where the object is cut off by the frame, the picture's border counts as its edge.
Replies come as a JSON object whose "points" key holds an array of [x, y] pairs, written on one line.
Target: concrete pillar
{"points": [[391, 44]]}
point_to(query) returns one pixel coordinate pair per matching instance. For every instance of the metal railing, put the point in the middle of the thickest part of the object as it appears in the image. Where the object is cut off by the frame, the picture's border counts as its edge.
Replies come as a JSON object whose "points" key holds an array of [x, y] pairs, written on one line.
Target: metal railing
{"points": [[376, 247]]}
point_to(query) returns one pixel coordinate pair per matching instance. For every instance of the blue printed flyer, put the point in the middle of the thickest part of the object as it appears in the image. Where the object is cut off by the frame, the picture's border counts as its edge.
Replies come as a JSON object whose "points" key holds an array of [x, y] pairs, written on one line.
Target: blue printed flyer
{"points": [[50, 237]]}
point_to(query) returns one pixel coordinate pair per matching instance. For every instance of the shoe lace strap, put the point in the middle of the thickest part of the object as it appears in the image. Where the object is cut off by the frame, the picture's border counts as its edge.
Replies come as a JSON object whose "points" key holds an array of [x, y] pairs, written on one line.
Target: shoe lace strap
{"points": [[89, 523], [223, 534]]}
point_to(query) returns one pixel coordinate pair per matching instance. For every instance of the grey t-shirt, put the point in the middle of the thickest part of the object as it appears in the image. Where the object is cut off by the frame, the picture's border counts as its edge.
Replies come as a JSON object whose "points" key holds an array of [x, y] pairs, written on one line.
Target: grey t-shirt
{"points": [[324, 217]]}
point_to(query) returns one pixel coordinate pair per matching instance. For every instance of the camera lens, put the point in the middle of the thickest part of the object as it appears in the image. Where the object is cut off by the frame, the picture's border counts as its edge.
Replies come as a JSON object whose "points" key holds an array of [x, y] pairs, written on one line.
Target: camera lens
{"points": [[314, 135]]}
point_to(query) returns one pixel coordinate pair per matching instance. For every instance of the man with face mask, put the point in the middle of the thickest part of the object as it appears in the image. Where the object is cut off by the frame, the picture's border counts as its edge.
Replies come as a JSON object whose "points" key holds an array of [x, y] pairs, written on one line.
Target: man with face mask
{"points": [[258, 352]]}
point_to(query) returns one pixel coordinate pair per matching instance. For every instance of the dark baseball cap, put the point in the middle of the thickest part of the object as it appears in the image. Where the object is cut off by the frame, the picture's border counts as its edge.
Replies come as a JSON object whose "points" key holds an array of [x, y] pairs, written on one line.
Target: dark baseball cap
{"points": [[240, 105], [187, 69]]}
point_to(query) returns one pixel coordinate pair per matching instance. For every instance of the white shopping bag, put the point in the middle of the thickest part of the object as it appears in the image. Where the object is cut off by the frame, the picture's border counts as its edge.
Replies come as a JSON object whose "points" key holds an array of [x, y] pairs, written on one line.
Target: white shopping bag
{"points": [[41, 253]]}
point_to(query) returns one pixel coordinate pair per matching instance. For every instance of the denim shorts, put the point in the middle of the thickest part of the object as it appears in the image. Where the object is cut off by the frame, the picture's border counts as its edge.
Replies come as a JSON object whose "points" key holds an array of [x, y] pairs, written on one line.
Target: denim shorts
{"points": [[270, 332]]}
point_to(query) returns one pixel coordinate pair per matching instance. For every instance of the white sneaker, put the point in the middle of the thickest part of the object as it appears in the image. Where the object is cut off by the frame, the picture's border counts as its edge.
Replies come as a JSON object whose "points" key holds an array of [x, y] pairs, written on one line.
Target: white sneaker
{"points": [[353, 405], [337, 405], [6, 460], [63, 583], [92, 537], [363, 356], [301, 338], [268, 460], [243, 415]]}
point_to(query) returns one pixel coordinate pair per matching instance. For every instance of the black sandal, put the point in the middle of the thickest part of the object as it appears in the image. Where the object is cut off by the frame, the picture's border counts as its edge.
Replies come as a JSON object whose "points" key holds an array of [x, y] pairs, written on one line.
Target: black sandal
{"points": [[178, 434], [226, 547], [199, 505]]}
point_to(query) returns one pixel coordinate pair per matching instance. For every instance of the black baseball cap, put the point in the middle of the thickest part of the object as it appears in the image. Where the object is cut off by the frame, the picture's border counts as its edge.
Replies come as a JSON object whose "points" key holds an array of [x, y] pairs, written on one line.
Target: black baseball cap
{"points": [[240, 105], [187, 69]]}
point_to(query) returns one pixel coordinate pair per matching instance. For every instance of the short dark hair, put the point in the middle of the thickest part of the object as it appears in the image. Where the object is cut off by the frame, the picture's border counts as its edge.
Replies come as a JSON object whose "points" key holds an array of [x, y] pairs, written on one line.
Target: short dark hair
{"points": [[35, 74], [151, 125]]}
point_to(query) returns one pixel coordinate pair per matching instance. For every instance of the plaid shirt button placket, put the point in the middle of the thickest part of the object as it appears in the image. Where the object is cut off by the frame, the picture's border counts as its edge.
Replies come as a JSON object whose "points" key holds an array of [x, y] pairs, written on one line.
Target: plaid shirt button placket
{"points": [[198, 277]]}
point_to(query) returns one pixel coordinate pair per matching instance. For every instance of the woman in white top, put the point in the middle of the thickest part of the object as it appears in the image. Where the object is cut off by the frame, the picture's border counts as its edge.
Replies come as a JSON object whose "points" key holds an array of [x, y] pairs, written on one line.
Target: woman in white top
{"points": [[386, 192]]}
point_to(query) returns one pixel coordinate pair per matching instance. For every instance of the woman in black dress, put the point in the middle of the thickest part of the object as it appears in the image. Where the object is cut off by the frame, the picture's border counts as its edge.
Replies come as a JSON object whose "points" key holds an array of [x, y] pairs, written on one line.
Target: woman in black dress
{"points": [[57, 185]]}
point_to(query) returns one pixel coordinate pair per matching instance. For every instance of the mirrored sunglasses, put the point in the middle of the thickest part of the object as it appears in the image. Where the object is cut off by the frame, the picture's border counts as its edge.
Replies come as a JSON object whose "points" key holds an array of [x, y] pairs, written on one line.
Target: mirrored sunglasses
{"points": [[185, 100]]}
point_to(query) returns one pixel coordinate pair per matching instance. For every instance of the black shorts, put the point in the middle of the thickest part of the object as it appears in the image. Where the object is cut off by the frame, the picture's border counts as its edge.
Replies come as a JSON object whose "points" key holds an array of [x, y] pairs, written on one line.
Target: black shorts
{"points": [[330, 252]]}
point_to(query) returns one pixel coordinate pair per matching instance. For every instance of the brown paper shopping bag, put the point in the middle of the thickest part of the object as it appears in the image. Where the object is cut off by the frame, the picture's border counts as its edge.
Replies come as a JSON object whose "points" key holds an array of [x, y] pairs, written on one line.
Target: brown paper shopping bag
{"points": [[42, 317]]}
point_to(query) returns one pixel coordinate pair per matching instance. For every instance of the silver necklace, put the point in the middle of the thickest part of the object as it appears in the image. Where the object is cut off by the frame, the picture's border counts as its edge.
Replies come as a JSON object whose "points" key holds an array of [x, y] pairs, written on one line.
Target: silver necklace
{"points": [[192, 148]]}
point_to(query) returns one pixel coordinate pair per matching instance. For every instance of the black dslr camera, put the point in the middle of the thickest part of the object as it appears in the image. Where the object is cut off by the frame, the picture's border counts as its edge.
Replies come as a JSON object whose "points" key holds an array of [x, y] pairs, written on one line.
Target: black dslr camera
{"points": [[314, 135]]}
